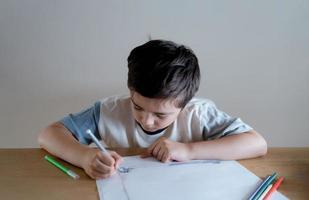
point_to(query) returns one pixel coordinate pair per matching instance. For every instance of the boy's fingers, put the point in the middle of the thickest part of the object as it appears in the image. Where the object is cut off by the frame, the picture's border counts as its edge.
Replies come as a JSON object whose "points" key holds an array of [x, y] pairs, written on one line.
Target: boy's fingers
{"points": [[117, 157], [153, 146], [146, 154], [98, 174], [160, 154], [101, 167], [166, 157], [156, 150], [106, 159], [150, 150]]}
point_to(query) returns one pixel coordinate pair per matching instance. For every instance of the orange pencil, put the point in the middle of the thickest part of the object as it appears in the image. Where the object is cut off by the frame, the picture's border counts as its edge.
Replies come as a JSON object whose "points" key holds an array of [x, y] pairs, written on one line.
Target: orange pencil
{"points": [[273, 188]]}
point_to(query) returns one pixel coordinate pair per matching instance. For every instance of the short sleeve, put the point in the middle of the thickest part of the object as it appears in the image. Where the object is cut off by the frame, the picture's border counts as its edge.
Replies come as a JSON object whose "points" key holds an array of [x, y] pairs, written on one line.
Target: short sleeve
{"points": [[79, 122], [217, 124]]}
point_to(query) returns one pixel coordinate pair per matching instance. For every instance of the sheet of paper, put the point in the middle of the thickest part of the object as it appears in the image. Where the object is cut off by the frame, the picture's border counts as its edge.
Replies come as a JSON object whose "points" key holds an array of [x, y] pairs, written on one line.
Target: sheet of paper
{"points": [[197, 180]]}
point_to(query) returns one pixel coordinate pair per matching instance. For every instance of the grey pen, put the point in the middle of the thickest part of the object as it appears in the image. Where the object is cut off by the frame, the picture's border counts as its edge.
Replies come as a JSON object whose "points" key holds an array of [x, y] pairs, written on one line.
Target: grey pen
{"points": [[96, 141], [100, 146]]}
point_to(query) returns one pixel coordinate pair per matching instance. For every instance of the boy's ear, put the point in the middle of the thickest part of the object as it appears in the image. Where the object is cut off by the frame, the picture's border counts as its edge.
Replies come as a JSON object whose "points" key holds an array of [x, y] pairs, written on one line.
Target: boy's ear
{"points": [[131, 92]]}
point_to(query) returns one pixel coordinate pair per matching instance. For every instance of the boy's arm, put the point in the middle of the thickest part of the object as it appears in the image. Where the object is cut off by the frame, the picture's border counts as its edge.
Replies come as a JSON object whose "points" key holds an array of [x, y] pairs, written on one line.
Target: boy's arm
{"points": [[59, 141], [234, 147]]}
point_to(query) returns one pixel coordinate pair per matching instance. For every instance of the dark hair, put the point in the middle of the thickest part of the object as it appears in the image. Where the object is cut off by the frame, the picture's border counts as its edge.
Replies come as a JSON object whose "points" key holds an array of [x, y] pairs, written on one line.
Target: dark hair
{"points": [[164, 69]]}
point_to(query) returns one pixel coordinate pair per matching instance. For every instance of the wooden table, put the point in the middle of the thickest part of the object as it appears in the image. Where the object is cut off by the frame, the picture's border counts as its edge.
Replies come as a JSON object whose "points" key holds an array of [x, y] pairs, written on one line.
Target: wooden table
{"points": [[24, 174]]}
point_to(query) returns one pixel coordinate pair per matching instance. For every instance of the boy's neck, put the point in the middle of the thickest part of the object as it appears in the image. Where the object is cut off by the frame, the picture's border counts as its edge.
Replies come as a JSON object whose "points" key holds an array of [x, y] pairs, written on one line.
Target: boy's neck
{"points": [[151, 132]]}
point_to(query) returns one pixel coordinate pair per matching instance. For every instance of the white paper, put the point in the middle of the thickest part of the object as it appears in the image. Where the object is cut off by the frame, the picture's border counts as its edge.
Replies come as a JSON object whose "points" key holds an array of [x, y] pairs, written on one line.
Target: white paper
{"points": [[197, 180]]}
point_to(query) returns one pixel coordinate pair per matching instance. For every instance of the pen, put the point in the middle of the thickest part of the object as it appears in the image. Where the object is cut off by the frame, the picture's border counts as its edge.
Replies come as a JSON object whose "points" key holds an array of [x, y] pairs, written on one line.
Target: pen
{"points": [[263, 188], [258, 189], [265, 192], [274, 188], [96, 141], [61, 167], [100, 146]]}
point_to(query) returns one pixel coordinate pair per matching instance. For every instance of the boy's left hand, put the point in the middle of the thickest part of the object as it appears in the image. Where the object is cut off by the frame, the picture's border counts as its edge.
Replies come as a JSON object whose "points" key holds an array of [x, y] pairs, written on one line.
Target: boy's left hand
{"points": [[166, 150]]}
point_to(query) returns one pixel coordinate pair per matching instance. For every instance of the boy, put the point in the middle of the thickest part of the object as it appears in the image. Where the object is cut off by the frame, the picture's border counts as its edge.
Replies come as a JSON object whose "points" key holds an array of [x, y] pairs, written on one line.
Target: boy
{"points": [[160, 114]]}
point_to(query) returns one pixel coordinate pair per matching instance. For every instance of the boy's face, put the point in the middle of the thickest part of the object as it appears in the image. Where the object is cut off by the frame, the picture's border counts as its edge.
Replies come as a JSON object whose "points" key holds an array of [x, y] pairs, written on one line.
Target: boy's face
{"points": [[153, 114]]}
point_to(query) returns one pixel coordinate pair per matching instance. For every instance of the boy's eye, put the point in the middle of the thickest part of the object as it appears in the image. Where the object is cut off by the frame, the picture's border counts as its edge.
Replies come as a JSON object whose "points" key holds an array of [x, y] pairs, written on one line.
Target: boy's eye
{"points": [[137, 108], [161, 116]]}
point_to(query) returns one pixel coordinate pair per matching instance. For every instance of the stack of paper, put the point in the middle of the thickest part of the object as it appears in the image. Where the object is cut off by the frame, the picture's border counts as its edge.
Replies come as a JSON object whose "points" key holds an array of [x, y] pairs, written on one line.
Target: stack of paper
{"points": [[197, 180]]}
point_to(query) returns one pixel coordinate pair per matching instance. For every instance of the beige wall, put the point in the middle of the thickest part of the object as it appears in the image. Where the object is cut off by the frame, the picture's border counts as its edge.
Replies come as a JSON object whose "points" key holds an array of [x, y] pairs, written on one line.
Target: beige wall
{"points": [[57, 57]]}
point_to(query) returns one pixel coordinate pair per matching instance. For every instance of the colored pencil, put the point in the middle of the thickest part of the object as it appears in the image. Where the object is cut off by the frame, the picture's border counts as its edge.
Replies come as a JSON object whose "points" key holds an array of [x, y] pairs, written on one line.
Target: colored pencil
{"points": [[274, 188], [256, 191], [265, 192], [264, 186]]}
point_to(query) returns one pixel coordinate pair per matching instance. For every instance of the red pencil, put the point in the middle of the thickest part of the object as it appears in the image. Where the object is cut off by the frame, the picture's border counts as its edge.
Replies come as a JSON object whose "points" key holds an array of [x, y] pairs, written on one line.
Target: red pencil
{"points": [[273, 188]]}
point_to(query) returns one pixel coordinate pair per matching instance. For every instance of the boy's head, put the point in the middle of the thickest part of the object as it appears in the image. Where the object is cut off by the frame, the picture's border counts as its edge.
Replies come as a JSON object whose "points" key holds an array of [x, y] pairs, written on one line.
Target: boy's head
{"points": [[164, 70]]}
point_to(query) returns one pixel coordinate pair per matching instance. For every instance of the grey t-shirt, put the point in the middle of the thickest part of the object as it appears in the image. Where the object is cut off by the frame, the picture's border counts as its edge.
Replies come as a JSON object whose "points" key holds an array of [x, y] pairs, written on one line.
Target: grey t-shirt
{"points": [[112, 121]]}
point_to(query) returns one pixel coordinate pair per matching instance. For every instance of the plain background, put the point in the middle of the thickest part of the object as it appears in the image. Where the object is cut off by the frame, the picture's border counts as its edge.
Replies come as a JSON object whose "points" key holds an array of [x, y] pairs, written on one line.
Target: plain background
{"points": [[58, 57]]}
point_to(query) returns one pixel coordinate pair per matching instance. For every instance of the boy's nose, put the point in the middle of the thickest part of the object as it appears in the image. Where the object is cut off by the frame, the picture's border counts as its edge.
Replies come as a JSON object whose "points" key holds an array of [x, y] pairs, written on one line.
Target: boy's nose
{"points": [[147, 120]]}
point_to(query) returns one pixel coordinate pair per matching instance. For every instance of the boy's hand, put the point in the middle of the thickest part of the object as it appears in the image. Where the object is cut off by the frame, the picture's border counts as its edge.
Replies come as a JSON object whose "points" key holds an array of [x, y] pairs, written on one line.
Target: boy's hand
{"points": [[99, 165], [166, 150]]}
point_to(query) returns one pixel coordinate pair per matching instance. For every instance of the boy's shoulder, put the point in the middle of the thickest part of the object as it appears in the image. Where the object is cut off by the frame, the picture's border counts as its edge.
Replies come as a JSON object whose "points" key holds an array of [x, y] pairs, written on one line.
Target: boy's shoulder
{"points": [[198, 102], [116, 101], [199, 106]]}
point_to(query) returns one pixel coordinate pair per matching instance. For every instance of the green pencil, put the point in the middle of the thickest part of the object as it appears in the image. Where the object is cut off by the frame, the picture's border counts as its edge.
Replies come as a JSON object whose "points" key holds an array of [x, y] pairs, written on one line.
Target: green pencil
{"points": [[63, 168]]}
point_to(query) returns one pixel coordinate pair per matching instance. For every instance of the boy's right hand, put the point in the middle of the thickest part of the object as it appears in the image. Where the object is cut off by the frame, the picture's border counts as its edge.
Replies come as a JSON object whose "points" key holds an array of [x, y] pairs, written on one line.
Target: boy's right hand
{"points": [[99, 165]]}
